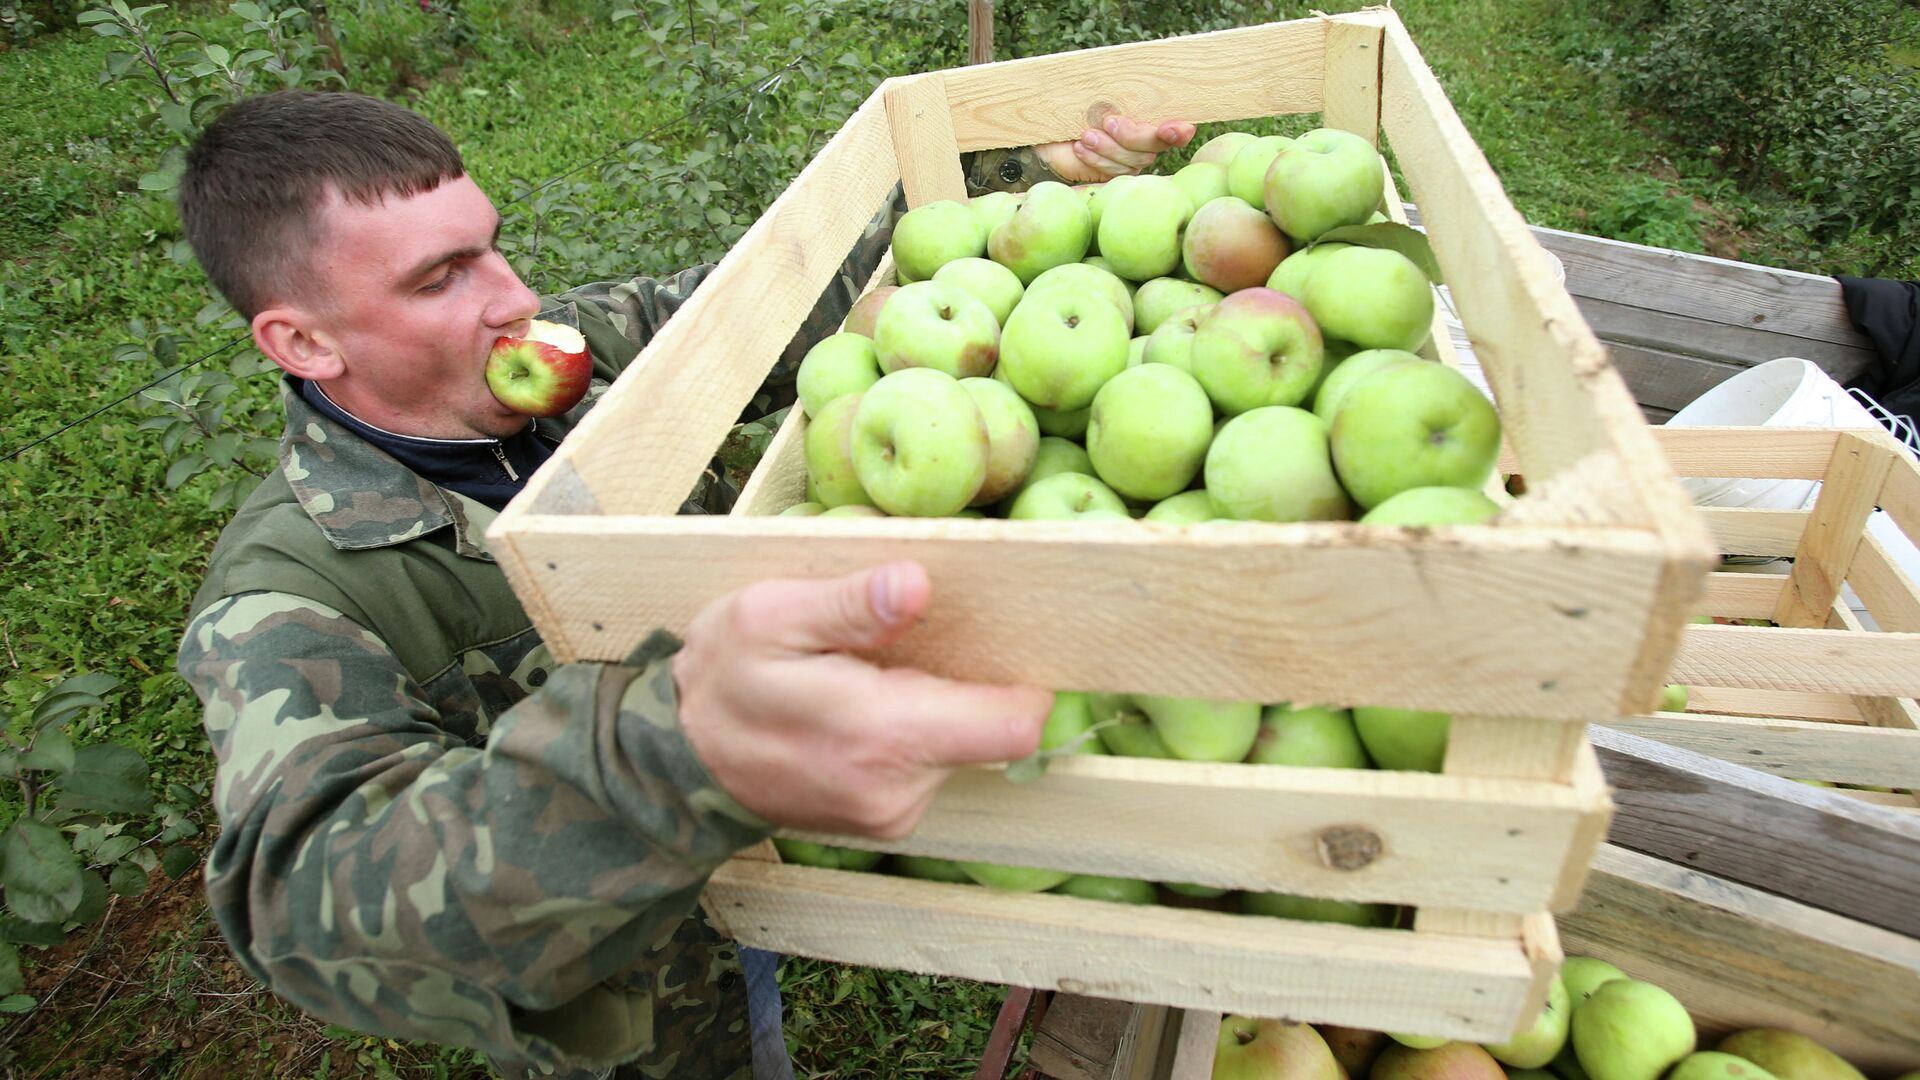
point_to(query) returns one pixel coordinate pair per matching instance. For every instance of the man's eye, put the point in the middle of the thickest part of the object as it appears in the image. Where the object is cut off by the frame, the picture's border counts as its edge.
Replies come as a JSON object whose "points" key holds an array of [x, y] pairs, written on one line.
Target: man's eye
{"points": [[440, 285]]}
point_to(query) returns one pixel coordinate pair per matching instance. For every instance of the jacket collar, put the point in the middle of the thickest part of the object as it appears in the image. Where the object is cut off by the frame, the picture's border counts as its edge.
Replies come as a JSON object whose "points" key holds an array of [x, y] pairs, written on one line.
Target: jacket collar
{"points": [[359, 496]]}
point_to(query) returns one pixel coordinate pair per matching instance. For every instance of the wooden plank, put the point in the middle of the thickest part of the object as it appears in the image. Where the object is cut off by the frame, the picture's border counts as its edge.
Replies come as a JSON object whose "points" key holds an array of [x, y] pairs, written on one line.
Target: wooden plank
{"points": [[1779, 658], [1007, 1026], [1352, 94], [1742, 596], [1270, 70], [1784, 704], [1144, 1044], [1734, 345], [644, 445], [1077, 1037], [1536, 621], [1886, 712], [1891, 597], [979, 31], [1740, 530], [1195, 1043], [1764, 831], [923, 139], [1703, 287], [1664, 379], [1901, 499], [1838, 521], [1738, 957], [1797, 749], [1757, 453], [1463, 988], [1494, 845]]}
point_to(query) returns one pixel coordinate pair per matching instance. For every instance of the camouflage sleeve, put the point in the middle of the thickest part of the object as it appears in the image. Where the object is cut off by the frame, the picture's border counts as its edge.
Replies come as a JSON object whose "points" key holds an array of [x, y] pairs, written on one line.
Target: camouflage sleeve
{"points": [[1013, 169], [380, 873]]}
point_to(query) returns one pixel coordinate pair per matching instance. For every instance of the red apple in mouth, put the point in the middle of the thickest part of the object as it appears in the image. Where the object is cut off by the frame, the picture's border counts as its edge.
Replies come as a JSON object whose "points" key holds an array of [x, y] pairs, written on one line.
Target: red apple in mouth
{"points": [[544, 373]]}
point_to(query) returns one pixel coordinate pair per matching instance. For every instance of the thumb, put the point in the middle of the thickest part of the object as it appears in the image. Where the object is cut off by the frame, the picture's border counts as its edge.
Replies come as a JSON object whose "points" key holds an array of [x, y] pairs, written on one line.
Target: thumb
{"points": [[854, 613]]}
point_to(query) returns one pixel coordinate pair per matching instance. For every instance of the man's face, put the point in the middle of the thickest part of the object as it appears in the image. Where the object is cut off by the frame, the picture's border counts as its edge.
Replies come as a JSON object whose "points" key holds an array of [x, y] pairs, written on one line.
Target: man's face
{"points": [[415, 293]]}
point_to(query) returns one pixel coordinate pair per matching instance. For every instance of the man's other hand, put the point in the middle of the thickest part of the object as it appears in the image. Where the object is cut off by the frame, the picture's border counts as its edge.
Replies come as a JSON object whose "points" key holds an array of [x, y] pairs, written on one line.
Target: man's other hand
{"points": [[810, 736], [1120, 146]]}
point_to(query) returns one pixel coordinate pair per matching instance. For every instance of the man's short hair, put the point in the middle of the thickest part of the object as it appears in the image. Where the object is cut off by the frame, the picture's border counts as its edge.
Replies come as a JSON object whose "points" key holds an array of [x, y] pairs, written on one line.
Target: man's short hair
{"points": [[257, 175]]}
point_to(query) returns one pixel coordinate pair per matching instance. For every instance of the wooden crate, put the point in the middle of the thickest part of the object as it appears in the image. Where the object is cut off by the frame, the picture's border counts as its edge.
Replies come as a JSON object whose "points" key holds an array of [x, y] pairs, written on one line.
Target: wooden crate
{"points": [[1817, 697], [1567, 612]]}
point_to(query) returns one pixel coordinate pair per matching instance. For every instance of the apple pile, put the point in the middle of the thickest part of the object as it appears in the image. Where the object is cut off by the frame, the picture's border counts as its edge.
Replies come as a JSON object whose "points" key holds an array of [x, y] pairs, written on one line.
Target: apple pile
{"points": [[1598, 1024]]}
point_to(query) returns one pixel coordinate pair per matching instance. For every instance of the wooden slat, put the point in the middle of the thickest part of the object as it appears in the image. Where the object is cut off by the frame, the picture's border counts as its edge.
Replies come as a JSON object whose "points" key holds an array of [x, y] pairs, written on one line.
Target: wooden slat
{"points": [[1778, 658], [1464, 988], [1838, 521], [1738, 957], [1764, 831], [1194, 1045], [1664, 379], [1145, 1043], [1891, 597], [1077, 1037], [979, 31], [1798, 749], [1755, 453], [1495, 845], [1785, 704], [1267, 70], [646, 442], [1739, 530], [1538, 621], [1352, 94], [1901, 498], [1742, 596], [923, 139], [1733, 345], [1877, 711]]}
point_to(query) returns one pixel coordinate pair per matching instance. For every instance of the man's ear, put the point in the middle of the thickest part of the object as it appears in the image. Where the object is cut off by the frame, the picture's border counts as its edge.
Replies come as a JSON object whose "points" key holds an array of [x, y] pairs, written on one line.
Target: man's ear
{"points": [[290, 337]]}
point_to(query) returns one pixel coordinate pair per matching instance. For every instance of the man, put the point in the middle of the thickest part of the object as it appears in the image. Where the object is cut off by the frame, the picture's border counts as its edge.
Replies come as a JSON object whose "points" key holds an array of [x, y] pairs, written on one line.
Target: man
{"points": [[430, 830]]}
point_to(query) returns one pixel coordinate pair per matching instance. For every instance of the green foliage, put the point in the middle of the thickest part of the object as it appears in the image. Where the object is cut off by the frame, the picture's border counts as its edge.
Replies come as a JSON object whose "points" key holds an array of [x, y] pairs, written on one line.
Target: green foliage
{"points": [[19, 25], [1646, 213]]}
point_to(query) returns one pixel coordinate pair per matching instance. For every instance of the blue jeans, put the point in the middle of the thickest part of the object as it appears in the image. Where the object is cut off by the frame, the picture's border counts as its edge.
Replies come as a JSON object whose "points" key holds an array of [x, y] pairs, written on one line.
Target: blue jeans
{"points": [[770, 1060]]}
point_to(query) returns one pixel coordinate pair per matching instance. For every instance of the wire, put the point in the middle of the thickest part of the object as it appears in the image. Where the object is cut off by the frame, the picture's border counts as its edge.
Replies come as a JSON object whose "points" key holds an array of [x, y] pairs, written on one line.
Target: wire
{"points": [[760, 84]]}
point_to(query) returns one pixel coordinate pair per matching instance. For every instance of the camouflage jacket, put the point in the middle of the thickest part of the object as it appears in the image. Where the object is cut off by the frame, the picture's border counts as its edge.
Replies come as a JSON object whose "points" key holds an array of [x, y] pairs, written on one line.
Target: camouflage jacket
{"points": [[428, 829]]}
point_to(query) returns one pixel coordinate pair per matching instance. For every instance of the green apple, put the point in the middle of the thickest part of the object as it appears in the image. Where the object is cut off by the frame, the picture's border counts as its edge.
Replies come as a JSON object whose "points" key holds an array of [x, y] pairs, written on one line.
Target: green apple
{"points": [[1201, 182], [920, 444], [1149, 431], [1052, 227], [1412, 426], [1418, 1042], [1566, 1064], [1308, 735], [1130, 734], [1097, 205], [865, 312], [1350, 372], [1157, 300], [1433, 506], [1066, 495], [1095, 260], [1251, 1049], [1584, 974], [1137, 351], [1529, 1074], [1354, 1048], [1308, 909], [1631, 1030], [1673, 698], [1192, 729], [1231, 246], [931, 236], [1447, 1061], [1172, 342], [986, 281], [1070, 718], [1403, 739], [1198, 892], [993, 209], [1335, 354], [1322, 180], [828, 450], [931, 324], [1295, 270], [1112, 889], [1373, 297], [1788, 1055], [1221, 148], [1247, 173], [1088, 278], [1057, 455], [1256, 348], [1062, 423], [1186, 508], [826, 856], [1141, 226], [1712, 1065], [1013, 438], [1272, 464], [928, 868], [805, 509], [853, 510], [1061, 346], [839, 364], [1540, 1043], [1013, 878]]}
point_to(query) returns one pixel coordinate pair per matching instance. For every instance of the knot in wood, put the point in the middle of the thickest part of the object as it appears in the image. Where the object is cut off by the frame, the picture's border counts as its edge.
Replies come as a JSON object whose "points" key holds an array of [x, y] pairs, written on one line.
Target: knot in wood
{"points": [[1348, 847]]}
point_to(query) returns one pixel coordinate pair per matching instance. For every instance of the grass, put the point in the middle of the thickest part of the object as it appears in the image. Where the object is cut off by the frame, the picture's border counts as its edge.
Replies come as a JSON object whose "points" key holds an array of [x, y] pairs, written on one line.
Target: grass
{"points": [[100, 558]]}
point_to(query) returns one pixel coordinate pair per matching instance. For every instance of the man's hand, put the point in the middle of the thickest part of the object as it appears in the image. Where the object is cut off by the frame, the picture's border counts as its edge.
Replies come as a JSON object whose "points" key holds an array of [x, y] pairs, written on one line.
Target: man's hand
{"points": [[806, 735], [1120, 146]]}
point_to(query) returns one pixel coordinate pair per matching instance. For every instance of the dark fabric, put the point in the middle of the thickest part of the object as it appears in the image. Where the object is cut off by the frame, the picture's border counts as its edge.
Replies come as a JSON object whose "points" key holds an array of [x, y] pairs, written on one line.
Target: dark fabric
{"points": [[1888, 312], [488, 471]]}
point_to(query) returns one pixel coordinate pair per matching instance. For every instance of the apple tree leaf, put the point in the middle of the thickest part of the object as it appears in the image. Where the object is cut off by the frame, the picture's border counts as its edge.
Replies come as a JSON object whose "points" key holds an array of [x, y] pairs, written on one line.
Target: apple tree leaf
{"points": [[1394, 236]]}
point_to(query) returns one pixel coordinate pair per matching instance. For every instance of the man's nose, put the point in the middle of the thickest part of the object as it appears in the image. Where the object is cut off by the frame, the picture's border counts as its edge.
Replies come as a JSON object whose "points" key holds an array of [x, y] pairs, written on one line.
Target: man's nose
{"points": [[516, 303]]}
